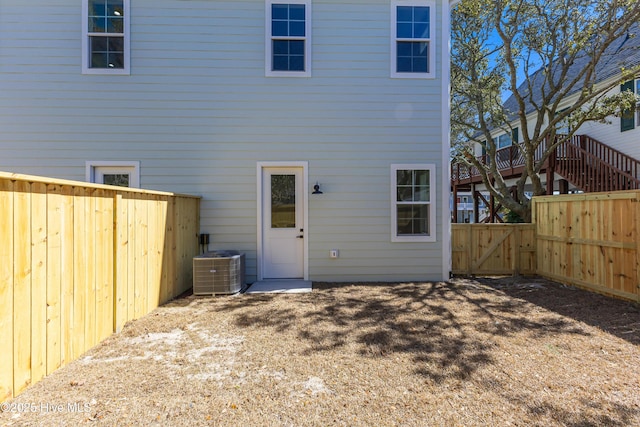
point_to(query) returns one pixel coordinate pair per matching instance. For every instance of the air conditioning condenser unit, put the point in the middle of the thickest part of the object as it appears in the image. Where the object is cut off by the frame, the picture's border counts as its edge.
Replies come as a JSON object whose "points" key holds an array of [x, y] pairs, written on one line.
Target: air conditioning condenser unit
{"points": [[219, 272]]}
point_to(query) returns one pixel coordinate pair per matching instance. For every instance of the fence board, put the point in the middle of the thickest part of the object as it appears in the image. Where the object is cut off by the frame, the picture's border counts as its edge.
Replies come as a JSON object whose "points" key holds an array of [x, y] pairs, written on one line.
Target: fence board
{"points": [[38, 281], [141, 251], [54, 274], [162, 248], [171, 251], [67, 274], [155, 265], [188, 233], [121, 272], [79, 261], [80, 275], [131, 257], [90, 335], [104, 265], [6, 289], [22, 287]]}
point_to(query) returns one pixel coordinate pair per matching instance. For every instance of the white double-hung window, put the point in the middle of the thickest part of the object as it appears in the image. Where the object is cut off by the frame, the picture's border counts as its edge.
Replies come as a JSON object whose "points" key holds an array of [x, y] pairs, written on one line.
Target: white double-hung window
{"points": [[288, 38], [105, 36], [413, 203], [413, 39]]}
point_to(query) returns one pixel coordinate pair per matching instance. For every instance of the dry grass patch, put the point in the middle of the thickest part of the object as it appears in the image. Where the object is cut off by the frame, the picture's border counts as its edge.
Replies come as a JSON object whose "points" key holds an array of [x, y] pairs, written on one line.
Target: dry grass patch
{"points": [[468, 352]]}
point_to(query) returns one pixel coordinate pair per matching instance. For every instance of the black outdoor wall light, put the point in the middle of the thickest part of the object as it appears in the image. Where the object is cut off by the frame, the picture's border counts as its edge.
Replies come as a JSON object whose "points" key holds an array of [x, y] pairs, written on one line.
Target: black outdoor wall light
{"points": [[316, 189]]}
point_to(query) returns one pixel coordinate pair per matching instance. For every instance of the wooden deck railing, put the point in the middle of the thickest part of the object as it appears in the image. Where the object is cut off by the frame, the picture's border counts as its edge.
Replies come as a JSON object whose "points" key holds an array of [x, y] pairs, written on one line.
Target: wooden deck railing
{"points": [[510, 162], [77, 261], [586, 163]]}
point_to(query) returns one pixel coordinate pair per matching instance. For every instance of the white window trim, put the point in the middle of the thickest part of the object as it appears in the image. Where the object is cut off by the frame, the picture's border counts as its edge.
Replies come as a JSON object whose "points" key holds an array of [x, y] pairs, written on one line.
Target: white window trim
{"points": [[85, 43], [432, 39], [432, 202], [260, 206], [268, 72], [130, 166], [496, 141]]}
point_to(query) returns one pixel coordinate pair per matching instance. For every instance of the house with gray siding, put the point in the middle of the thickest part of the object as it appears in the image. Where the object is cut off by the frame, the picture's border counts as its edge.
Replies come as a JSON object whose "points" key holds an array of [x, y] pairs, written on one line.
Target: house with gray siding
{"points": [[315, 131]]}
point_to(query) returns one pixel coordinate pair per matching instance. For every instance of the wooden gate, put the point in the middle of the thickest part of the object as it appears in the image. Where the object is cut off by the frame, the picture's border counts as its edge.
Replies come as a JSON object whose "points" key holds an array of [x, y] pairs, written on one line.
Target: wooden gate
{"points": [[493, 249]]}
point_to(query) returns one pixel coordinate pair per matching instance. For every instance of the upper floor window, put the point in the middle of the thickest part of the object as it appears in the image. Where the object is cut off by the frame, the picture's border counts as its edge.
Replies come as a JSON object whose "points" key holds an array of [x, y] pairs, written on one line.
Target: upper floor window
{"points": [[288, 41], [506, 140], [503, 141], [629, 117], [105, 37], [413, 212], [412, 39]]}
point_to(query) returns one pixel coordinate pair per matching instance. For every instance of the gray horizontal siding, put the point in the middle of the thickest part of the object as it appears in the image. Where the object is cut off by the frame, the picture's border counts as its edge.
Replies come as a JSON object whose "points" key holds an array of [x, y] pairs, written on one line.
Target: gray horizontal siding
{"points": [[198, 113]]}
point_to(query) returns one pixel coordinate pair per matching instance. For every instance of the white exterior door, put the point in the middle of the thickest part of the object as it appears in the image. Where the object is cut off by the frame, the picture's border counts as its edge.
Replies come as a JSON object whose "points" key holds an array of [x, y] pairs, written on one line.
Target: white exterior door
{"points": [[283, 228]]}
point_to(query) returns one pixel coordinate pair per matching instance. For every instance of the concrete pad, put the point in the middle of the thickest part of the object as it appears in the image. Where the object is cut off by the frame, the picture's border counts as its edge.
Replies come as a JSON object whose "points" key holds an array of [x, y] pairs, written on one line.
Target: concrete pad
{"points": [[289, 286]]}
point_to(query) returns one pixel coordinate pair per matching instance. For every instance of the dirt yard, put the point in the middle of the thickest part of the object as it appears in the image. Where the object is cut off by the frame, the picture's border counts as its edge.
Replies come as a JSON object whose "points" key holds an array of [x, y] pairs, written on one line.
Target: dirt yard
{"points": [[499, 352]]}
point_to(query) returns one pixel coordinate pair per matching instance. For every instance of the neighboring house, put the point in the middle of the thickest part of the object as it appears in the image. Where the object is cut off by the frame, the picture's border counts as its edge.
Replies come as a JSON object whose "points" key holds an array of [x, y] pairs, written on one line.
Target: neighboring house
{"points": [[466, 209], [306, 125], [600, 157]]}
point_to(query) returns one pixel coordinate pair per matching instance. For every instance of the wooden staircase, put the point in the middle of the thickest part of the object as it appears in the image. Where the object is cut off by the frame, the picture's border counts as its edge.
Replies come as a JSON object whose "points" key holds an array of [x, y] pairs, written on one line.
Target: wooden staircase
{"points": [[592, 166]]}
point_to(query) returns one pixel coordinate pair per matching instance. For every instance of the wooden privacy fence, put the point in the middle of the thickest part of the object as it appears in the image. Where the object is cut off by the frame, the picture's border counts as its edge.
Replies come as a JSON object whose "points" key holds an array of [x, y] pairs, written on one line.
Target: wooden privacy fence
{"points": [[77, 261], [493, 249], [590, 240], [586, 240]]}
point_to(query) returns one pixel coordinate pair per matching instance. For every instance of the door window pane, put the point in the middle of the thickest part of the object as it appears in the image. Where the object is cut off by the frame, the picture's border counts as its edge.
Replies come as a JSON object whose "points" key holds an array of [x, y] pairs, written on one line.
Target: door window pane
{"points": [[283, 201]]}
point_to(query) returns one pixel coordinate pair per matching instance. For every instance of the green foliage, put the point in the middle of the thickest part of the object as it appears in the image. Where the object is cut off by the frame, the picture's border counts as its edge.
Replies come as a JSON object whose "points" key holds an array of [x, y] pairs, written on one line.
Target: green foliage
{"points": [[513, 217]]}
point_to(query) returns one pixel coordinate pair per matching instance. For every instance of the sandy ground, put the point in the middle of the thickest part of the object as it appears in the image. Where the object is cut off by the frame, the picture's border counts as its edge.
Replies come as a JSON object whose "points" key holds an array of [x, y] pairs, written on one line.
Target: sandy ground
{"points": [[510, 351]]}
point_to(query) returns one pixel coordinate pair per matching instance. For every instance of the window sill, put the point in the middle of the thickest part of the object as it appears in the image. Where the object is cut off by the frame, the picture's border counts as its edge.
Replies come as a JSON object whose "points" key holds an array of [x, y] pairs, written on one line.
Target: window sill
{"points": [[413, 239], [395, 75], [106, 71], [288, 74]]}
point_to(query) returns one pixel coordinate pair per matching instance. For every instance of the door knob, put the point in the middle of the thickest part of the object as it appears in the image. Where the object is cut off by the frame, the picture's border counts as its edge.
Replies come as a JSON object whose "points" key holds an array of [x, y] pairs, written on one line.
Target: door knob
{"points": [[300, 237]]}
